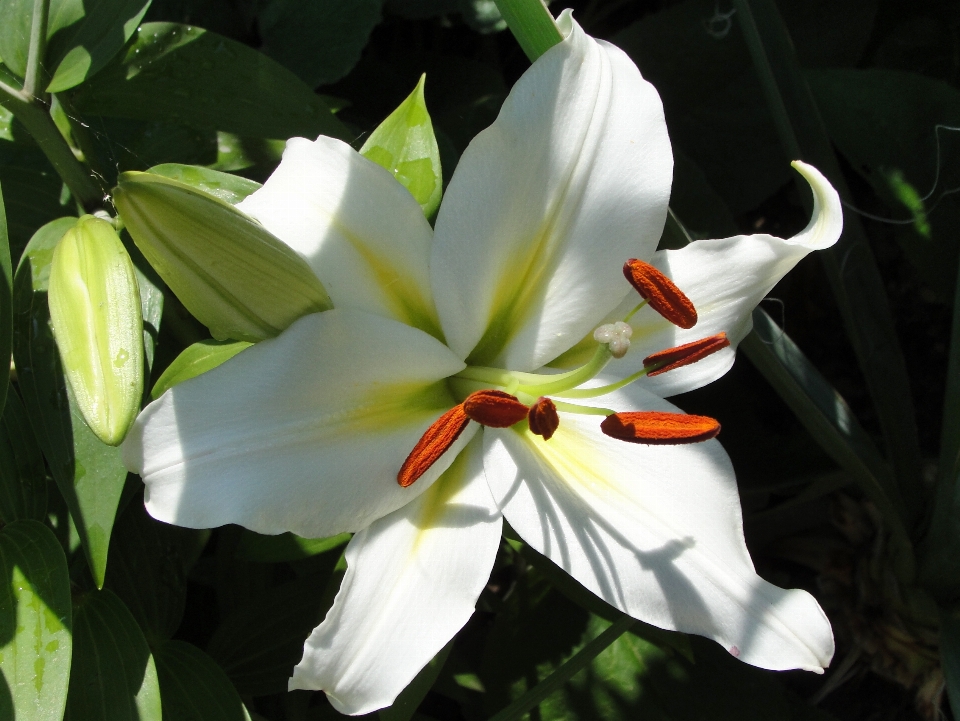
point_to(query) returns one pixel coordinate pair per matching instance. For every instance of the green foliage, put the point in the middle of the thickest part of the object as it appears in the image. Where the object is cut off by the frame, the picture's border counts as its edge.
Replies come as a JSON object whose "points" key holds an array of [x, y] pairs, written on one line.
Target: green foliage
{"points": [[6, 303], [88, 473], [184, 74], [114, 675], [319, 40], [197, 359], [194, 687], [23, 478], [405, 145], [35, 623]]}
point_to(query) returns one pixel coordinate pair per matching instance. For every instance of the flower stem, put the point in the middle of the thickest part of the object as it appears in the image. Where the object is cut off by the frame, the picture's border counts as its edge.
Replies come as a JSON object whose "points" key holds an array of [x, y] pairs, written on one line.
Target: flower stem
{"points": [[33, 114], [33, 80], [531, 24]]}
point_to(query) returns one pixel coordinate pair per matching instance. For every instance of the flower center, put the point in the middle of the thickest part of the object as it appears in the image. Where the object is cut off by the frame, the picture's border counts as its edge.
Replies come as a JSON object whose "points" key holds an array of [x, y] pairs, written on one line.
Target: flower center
{"points": [[500, 399]]}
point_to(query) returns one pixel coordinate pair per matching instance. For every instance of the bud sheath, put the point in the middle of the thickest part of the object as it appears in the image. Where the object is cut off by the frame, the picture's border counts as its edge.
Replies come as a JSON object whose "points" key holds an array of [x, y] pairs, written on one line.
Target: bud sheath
{"points": [[98, 323]]}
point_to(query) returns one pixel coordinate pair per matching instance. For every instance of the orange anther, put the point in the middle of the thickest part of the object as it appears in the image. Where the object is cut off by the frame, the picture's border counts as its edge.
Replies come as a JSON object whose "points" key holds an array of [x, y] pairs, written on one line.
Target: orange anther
{"points": [[685, 354], [658, 428], [433, 444], [661, 293], [496, 409], [543, 418]]}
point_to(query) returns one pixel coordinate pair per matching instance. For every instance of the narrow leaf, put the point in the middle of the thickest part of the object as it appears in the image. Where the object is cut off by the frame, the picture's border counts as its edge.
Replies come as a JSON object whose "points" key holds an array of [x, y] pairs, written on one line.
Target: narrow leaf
{"points": [[828, 418], [15, 34], [230, 273], [186, 75], [850, 265], [88, 473], [114, 676], [35, 623], [195, 360], [531, 24], [580, 660], [405, 145]]}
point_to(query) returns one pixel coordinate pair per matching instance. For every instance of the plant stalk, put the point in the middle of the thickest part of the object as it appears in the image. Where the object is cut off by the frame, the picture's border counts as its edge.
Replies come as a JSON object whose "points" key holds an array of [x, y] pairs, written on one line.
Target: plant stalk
{"points": [[34, 80], [531, 24]]}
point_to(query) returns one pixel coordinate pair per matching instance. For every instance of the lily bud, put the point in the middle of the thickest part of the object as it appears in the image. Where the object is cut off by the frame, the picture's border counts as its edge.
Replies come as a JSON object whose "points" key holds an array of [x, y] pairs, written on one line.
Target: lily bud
{"points": [[97, 320], [230, 273]]}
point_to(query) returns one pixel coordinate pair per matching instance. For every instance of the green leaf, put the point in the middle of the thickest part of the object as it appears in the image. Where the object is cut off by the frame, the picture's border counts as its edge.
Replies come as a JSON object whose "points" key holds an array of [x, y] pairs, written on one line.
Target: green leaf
{"points": [[262, 640], [183, 74], [226, 187], [114, 676], [319, 40], [88, 473], [23, 477], [148, 569], [193, 687], [850, 265], [85, 35], [406, 704], [15, 33], [285, 547], [6, 304], [230, 273], [195, 360], [35, 623], [97, 319], [405, 145], [884, 122]]}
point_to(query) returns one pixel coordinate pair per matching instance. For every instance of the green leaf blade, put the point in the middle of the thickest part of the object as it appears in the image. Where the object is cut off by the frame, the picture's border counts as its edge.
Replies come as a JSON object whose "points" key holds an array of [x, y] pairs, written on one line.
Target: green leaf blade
{"points": [[186, 75], [35, 623], [406, 145], [114, 675], [194, 687]]}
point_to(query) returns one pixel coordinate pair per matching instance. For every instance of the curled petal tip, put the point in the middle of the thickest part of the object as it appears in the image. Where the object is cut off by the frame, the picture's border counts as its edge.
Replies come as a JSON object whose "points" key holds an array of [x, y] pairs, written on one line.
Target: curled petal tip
{"points": [[826, 221]]}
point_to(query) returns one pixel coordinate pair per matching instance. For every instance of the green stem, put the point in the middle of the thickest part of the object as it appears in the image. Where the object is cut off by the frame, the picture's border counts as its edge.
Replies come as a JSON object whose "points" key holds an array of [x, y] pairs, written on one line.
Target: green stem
{"points": [[549, 385], [35, 118], [567, 671], [531, 24], [33, 80]]}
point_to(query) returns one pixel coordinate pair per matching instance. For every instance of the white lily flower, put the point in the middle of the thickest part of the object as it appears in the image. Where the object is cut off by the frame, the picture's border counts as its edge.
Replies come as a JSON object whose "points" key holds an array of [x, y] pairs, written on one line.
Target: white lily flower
{"points": [[381, 416]]}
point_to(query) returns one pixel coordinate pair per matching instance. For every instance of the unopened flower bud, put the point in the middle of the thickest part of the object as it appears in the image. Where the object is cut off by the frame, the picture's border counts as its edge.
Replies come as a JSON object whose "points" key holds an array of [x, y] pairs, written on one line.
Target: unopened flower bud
{"points": [[230, 273], [98, 324]]}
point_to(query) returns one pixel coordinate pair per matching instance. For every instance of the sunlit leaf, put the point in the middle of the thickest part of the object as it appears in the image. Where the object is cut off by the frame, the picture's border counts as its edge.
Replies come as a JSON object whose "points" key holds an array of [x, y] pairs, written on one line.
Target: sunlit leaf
{"points": [[405, 145], [35, 623], [194, 360]]}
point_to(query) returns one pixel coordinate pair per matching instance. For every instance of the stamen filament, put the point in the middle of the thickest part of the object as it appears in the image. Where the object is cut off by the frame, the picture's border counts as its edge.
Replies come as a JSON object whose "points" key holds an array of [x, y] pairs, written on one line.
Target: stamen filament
{"points": [[633, 312], [558, 383], [603, 390], [490, 376], [582, 410]]}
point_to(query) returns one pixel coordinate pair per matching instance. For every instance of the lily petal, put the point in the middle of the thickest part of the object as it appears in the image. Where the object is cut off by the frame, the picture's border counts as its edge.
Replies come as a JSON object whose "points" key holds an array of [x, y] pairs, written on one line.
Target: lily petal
{"points": [[362, 232], [412, 582], [655, 531], [548, 202], [304, 432], [725, 279]]}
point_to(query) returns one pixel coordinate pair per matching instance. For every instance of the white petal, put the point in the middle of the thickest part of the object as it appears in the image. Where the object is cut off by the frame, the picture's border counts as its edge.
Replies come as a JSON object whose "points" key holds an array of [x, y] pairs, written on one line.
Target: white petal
{"points": [[412, 581], [725, 279], [362, 232], [546, 205], [304, 432], [655, 531]]}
